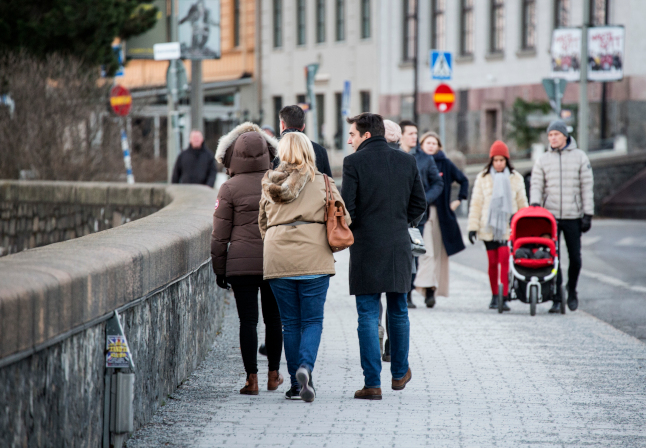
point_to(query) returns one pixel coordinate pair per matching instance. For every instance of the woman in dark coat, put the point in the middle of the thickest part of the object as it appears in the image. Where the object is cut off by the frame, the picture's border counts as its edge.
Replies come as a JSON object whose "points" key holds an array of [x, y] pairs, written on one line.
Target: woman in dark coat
{"points": [[237, 248], [442, 235]]}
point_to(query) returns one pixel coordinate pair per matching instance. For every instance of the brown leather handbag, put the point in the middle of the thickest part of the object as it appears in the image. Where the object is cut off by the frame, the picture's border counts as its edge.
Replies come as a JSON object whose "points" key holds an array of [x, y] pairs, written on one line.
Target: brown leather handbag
{"points": [[339, 235]]}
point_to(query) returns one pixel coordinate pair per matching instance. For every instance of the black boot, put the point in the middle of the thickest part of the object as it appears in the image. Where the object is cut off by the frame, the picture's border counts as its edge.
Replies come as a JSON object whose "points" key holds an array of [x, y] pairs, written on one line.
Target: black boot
{"points": [[572, 300], [410, 300], [556, 306], [430, 297], [386, 355], [262, 350], [494, 302], [505, 307]]}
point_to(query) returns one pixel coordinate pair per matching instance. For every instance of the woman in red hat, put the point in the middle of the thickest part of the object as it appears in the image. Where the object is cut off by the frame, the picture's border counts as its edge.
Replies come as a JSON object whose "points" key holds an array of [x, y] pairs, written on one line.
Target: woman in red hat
{"points": [[498, 193]]}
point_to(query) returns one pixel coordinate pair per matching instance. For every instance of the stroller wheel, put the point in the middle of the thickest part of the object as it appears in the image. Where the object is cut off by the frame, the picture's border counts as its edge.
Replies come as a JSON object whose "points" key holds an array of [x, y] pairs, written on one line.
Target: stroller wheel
{"points": [[563, 300], [533, 298], [501, 302]]}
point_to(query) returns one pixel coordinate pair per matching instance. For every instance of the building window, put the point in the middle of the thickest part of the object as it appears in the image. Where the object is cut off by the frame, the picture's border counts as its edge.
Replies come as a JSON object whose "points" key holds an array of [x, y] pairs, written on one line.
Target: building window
{"points": [[410, 36], [278, 23], [236, 23], [320, 21], [278, 105], [466, 27], [365, 19], [340, 20], [365, 101], [320, 115], [497, 36], [529, 25], [301, 99], [561, 13], [338, 136], [300, 22], [598, 12], [438, 24]]}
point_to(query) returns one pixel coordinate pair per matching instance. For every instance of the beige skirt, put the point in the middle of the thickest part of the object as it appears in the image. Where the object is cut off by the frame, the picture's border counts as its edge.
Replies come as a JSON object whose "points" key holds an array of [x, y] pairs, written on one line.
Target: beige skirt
{"points": [[433, 269]]}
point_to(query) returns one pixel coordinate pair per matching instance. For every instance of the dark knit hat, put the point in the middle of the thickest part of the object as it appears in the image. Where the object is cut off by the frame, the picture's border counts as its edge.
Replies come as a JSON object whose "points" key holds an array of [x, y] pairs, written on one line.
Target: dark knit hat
{"points": [[499, 149], [558, 125]]}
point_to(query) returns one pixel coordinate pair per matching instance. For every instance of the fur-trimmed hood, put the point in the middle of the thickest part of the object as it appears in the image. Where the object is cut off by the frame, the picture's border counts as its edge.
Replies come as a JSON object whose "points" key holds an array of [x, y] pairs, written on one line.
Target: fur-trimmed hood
{"points": [[226, 141], [285, 183]]}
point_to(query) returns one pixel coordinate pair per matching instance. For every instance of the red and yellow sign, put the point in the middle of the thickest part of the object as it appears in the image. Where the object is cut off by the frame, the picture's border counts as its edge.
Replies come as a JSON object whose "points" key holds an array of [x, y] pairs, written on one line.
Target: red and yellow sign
{"points": [[120, 100], [444, 98]]}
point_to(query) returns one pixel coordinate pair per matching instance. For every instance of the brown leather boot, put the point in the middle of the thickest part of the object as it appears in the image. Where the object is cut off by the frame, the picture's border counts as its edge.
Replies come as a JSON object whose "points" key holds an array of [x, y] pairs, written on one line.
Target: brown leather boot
{"points": [[274, 379], [401, 383], [251, 387], [373, 393]]}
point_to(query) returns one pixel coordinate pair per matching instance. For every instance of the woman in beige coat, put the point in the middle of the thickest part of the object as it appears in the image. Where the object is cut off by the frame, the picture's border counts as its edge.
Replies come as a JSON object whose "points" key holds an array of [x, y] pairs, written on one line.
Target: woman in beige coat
{"points": [[297, 259], [498, 193]]}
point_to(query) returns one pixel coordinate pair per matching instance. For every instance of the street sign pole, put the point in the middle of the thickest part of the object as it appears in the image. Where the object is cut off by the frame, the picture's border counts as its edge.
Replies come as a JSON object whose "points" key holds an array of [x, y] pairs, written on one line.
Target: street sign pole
{"points": [[443, 128], [584, 112], [310, 74], [345, 113], [197, 96], [172, 148]]}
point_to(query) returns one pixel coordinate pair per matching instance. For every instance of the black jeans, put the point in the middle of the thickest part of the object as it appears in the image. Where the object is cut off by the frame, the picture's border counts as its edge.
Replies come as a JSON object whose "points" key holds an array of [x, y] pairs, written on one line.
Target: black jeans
{"points": [[245, 290], [571, 230]]}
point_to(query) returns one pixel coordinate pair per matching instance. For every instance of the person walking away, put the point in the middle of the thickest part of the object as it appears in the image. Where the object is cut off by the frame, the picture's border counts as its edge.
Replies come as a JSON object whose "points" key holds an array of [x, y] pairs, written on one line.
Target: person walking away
{"points": [[292, 119], [498, 193], [562, 182], [237, 250], [442, 235], [431, 180], [298, 261], [384, 195], [196, 164]]}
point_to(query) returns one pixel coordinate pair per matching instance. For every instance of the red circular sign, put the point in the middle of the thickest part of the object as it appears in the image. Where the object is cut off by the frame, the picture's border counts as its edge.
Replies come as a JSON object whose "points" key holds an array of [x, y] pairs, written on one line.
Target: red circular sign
{"points": [[444, 97], [120, 100]]}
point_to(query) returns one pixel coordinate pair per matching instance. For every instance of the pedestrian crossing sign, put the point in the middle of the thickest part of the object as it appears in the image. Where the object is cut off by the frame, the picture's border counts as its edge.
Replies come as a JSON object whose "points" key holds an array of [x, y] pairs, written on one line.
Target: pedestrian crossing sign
{"points": [[441, 65]]}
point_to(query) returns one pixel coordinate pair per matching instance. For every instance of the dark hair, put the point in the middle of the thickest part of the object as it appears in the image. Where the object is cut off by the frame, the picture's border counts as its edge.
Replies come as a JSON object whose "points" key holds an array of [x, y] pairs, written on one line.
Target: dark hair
{"points": [[293, 116], [490, 164], [367, 122], [404, 123]]}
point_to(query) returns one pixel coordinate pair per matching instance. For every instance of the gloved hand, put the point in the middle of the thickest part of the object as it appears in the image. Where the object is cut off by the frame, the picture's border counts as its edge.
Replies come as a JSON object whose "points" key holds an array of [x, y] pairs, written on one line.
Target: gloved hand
{"points": [[586, 223], [535, 204], [472, 236], [221, 280]]}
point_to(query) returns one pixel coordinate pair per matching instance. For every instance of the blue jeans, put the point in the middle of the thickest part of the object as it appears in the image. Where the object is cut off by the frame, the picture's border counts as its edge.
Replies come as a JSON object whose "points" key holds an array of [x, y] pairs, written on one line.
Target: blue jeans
{"points": [[368, 310], [301, 304]]}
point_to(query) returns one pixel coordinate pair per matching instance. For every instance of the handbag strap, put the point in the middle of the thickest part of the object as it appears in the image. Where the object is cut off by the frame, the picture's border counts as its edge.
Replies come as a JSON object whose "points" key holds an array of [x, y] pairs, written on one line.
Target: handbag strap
{"points": [[328, 195]]}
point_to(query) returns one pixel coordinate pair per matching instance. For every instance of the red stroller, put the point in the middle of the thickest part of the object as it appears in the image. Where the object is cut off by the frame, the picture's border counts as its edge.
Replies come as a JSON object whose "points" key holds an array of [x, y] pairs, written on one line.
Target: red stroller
{"points": [[534, 261]]}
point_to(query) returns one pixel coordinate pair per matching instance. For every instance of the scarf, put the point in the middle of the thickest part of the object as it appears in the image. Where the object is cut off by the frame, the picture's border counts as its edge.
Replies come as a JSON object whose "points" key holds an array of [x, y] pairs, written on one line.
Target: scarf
{"points": [[500, 207]]}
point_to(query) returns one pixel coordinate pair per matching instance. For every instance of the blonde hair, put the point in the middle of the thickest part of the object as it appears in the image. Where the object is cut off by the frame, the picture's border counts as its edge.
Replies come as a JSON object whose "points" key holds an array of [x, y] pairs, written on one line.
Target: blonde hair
{"points": [[393, 131], [296, 149], [431, 134]]}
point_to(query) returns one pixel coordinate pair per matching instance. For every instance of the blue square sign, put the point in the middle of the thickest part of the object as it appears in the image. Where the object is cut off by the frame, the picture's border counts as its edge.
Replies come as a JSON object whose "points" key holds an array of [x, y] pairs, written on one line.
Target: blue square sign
{"points": [[441, 65]]}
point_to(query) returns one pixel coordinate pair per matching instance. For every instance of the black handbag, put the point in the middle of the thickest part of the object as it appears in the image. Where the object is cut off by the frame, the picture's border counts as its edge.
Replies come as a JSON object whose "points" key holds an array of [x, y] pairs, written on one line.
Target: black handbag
{"points": [[416, 242]]}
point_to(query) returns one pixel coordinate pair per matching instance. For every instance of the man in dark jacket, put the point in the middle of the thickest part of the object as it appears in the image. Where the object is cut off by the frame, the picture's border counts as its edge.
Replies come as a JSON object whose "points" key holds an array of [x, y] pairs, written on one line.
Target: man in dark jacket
{"points": [[292, 119], [383, 193], [195, 165]]}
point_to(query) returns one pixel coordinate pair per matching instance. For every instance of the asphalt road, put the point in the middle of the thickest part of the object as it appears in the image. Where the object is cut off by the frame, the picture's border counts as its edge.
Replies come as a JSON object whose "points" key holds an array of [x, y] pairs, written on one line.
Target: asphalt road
{"points": [[612, 285]]}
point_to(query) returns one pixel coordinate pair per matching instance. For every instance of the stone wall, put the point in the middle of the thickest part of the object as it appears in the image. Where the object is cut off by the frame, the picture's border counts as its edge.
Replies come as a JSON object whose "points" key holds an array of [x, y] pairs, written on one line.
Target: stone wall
{"points": [[55, 300], [59, 211]]}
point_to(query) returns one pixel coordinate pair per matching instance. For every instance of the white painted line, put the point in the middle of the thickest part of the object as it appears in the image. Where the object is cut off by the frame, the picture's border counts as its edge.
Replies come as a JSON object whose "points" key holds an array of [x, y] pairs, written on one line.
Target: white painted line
{"points": [[589, 240], [628, 241], [613, 281]]}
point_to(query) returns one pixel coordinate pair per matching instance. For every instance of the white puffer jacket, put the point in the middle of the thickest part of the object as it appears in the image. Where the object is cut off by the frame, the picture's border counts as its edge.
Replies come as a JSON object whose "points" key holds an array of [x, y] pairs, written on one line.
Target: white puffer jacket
{"points": [[562, 182], [481, 200]]}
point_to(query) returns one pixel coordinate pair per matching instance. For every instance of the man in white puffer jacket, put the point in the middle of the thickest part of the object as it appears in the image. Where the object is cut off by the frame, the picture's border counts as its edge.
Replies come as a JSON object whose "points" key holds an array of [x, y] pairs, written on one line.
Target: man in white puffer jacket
{"points": [[562, 183]]}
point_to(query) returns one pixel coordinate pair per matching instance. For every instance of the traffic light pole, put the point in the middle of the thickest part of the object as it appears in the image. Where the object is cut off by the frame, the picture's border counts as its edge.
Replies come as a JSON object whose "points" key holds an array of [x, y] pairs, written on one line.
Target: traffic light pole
{"points": [[584, 111]]}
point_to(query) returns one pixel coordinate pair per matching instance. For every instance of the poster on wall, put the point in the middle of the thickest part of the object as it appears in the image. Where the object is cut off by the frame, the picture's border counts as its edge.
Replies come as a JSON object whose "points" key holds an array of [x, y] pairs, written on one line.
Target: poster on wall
{"points": [[199, 29], [566, 53], [141, 46], [606, 53]]}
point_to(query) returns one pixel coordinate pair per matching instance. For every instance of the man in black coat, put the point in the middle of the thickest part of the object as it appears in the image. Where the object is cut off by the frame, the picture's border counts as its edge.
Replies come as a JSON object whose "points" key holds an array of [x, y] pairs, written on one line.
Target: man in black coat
{"points": [[383, 193], [195, 165], [292, 119]]}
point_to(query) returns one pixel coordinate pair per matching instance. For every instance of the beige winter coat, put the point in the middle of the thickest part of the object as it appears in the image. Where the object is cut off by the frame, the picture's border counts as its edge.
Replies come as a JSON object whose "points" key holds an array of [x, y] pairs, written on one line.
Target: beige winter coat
{"points": [[289, 196], [562, 183], [481, 200]]}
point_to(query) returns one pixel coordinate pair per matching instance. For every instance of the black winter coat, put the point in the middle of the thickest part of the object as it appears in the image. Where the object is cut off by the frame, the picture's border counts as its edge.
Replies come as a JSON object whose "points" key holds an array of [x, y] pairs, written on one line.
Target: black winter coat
{"points": [[431, 179], [322, 161], [451, 234], [195, 166], [383, 193]]}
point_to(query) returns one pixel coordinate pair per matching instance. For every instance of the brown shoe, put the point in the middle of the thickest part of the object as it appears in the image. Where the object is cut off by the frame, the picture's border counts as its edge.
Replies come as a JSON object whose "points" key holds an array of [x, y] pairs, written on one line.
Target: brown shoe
{"points": [[274, 379], [400, 384], [372, 393], [251, 386]]}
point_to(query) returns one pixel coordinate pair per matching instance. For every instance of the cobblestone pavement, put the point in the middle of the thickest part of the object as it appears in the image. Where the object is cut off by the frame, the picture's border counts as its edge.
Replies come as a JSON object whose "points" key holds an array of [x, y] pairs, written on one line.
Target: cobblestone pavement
{"points": [[479, 379]]}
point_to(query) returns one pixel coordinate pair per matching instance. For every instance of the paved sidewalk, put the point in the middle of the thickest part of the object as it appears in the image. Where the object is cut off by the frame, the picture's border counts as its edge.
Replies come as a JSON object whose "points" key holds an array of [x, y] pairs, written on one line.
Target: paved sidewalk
{"points": [[479, 379]]}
